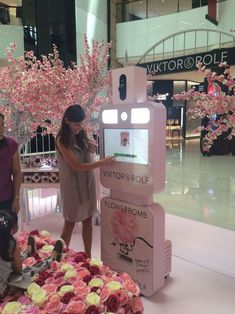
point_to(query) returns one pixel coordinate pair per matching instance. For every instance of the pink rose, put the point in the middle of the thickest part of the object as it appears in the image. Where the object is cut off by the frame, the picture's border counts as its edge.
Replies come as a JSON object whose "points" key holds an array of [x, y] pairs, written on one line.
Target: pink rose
{"points": [[112, 303], [30, 261], [123, 297], [137, 305], [32, 309], [104, 294], [50, 280], [76, 307], [60, 281], [82, 272], [53, 306], [50, 288], [25, 300], [132, 287], [82, 290]]}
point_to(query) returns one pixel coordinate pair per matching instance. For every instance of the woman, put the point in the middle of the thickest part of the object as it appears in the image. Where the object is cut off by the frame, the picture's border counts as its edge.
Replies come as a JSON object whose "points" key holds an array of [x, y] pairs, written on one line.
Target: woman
{"points": [[10, 172], [77, 181]]}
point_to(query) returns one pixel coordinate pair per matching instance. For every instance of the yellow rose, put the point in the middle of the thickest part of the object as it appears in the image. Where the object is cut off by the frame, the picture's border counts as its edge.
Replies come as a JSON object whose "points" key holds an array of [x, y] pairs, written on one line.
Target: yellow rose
{"points": [[114, 286], [12, 308], [66, 288], [93, 299], [96, 262], [47, 248], [39, 297], [70, 274], [32, 288], [65, 267], [96, 282]]}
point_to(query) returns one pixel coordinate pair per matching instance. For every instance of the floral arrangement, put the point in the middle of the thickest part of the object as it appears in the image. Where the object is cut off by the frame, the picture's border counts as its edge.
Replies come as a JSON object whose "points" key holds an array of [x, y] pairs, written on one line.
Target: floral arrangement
{"points": [[76, 285], [34, 91], [215, 102]]}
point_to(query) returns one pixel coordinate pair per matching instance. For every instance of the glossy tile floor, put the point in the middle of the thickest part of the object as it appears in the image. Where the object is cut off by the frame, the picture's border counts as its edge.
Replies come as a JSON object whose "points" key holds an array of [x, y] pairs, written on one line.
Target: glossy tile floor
{"points": [[199, 200], [199, 188]]}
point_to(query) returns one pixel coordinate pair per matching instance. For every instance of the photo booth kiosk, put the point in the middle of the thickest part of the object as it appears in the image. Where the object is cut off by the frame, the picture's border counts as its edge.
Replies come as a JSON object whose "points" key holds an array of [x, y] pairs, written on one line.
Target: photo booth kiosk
{"points": [[132, 225]]}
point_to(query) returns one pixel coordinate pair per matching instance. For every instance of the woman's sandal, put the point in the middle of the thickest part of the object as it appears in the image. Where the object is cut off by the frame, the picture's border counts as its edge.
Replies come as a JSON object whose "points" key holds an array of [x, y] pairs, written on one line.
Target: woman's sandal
{"points": [[58, 250], [31, 245]]}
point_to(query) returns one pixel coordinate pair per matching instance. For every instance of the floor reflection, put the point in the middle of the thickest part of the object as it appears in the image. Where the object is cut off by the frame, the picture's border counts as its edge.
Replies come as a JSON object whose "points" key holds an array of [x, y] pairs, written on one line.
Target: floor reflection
{"points": [[197, 187]]}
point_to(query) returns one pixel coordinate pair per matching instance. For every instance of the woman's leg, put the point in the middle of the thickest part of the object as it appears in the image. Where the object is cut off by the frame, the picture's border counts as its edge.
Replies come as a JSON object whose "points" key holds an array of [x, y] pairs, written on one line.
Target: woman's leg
{"points": [[67, 231], [87, 235]]}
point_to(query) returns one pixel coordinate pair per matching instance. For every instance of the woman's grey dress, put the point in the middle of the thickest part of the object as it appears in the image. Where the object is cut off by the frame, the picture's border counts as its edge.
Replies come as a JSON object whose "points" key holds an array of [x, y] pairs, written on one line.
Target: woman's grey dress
{"points": [[78, 191]]}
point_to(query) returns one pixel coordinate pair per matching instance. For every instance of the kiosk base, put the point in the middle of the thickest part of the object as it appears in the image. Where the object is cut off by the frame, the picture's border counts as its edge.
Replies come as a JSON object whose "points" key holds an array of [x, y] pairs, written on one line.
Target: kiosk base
{"points": [[133, 241]]}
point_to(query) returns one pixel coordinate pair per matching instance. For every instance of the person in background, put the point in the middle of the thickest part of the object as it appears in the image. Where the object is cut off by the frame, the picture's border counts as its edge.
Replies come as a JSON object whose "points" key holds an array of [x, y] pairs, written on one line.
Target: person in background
{"points": [[77, 181], [10, 172], [11, 257]]}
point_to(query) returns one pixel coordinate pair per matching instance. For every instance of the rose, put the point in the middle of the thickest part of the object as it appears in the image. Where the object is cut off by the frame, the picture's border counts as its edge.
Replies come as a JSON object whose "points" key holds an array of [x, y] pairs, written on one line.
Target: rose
{"points": [[94, 270], [137, 305], [112, 303], [132, 287], [59, 274], [34, 232], [36, 257], [92, 310], [40, 282], [76, 307], [95, 289], [87, 278], [85, 265], [80, 257], [67, 297], [39, 245], [30, 261], [49, 288]]}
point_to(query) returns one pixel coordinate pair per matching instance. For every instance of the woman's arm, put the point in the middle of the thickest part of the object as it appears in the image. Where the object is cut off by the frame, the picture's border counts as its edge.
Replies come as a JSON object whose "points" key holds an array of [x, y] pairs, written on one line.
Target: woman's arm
{"points": [[17, 262], [72, 161], [16, 172]]}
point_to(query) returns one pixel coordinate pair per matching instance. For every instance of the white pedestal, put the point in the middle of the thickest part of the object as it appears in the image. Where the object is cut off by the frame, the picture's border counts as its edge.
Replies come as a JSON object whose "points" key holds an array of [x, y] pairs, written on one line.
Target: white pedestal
{"points": [[133, 241]]}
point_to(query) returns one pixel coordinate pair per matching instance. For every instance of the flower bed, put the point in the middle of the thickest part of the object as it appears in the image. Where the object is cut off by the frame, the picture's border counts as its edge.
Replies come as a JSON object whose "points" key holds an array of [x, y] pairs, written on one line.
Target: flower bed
{"points": [[76, 285]]}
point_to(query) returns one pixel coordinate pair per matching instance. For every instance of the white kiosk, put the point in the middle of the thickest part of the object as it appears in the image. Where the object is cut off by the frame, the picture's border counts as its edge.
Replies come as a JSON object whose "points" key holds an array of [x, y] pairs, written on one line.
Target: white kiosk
{"points": [[132, 226]]}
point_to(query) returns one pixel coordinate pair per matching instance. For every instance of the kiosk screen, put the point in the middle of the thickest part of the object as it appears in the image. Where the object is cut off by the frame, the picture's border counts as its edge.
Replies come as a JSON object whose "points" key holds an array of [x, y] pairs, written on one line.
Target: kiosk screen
{"points": [[128, 145]]}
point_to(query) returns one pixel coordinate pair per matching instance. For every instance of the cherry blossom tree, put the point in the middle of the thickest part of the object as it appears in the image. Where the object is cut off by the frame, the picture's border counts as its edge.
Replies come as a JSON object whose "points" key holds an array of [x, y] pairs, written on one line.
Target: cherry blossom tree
{"points": [[33, 91], [215, 102]]}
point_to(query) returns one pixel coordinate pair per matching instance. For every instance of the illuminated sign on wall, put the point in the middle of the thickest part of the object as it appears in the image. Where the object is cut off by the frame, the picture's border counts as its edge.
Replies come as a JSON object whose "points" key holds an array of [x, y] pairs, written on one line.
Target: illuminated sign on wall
{"points": [[188, 63]]}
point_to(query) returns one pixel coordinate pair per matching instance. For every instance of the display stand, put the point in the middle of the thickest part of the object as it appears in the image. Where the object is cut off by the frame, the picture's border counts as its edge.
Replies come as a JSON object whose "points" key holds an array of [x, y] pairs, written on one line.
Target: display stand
{"points": [[132, 225]]}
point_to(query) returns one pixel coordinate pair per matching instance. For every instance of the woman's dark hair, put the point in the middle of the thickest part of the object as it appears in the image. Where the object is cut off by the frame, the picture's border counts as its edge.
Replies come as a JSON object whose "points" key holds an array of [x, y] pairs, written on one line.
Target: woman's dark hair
{"points": [[8, 220], [2, 116], [74, 113]]}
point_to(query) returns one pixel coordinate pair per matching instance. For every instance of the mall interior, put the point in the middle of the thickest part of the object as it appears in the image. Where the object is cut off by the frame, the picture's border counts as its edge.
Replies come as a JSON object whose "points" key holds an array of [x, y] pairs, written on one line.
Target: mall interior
{"points": [[167, 38]]}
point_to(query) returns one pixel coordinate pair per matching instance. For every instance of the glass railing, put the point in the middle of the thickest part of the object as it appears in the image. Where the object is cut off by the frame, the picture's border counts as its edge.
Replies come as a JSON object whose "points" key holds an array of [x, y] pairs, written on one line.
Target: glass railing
{"points": [[143, 9]]}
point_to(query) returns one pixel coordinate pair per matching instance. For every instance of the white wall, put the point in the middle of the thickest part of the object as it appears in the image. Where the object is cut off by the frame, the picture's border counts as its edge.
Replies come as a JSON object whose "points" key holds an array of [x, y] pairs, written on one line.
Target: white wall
{"points": [[11, 34], [138, 36], [91, 18]]}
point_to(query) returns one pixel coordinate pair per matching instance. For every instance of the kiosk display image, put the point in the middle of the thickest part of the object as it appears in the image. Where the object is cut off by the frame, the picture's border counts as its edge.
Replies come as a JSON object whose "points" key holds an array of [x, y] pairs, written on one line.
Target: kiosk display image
{"points": [[127, 145]]}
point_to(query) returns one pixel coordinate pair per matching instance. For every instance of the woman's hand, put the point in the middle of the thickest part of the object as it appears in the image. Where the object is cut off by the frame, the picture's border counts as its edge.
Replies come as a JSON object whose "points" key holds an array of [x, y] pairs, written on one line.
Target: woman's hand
{"points": [[108, 160]]}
